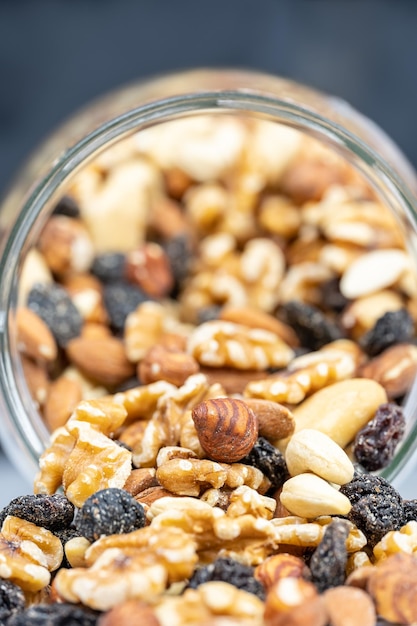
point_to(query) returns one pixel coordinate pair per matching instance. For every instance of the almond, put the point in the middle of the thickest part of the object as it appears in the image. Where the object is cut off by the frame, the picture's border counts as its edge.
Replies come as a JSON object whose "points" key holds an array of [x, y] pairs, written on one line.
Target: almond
{"points": [[34, 337], [395, 369], [275, 420], [66, 245], [102, 359], [162, 363], [63, 396], [148, 266], [36, 379]]}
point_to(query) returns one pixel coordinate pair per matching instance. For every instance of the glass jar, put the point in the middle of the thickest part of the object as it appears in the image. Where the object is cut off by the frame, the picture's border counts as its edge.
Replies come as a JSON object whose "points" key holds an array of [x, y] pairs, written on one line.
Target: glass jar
{"points": [[118, 115]]}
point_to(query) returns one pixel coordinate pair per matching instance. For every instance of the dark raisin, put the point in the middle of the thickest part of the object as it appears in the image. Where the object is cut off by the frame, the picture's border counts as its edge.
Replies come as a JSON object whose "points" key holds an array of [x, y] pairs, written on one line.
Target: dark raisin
{"points": [[56, 614], [312, 327], [120, 299], [409, 511], [12, 600], [52, 512], [230, 571], [109, 267], [265, 457], [375, 443], [53, 304], [130, 383], [179, 252], [68, 207], [109, 512], [332, 298], [208, 313], [64, 535], [393, 327], [328, 563], [377, 507], [367, 484]]}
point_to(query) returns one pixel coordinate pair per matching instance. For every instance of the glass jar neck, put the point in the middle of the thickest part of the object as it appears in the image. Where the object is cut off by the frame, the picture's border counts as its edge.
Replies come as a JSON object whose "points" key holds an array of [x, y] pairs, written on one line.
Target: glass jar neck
{"points": [[117, 116]]}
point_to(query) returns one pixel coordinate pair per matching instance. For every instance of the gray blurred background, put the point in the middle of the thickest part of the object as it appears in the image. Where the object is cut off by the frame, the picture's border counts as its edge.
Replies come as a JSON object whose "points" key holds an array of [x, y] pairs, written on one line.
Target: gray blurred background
{"points": [[56, 55]]}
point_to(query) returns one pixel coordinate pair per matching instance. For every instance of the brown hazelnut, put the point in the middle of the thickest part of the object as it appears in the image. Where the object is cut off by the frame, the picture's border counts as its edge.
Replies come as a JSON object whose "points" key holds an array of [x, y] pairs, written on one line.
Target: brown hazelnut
{"points": [[227, 428]]}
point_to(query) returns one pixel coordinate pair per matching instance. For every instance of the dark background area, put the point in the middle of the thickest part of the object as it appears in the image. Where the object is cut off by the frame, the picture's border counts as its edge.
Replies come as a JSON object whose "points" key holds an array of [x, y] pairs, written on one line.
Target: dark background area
{"points": [[56, 55]]}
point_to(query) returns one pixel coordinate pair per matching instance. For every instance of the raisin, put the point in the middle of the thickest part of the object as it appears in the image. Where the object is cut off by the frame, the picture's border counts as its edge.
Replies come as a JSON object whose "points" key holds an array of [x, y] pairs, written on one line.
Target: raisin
{"points": [[367, 484], [375, 444], [265, 457], [109, 512], [409, 511], [208, 313], [393, 327], [109, 267], [12, 600], [312, 327], [120, 299], [68, 207], [53, 512], [328, 563], [55, 307], [56, 614], [179, 253], [230, 571], [332, 298], [377, 507]]}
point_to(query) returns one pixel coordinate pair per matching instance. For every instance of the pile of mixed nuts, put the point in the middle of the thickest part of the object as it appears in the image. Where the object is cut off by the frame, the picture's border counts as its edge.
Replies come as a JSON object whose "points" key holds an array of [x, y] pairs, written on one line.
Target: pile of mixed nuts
{"points": [[218, 327]]}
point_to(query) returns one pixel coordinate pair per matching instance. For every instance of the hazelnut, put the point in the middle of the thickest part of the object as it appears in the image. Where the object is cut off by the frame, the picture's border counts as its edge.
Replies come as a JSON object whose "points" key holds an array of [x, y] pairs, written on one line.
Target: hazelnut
{"points": [[280, 566], [294, 602], [227, 428]]}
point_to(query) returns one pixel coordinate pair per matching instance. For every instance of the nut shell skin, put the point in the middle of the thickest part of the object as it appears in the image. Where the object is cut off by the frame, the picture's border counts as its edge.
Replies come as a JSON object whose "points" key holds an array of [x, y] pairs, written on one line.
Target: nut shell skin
{"points": [[227, 428]]}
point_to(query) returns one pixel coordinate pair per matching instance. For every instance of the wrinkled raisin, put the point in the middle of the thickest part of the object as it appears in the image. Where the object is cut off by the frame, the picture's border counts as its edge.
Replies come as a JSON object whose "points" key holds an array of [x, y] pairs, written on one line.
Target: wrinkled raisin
{"points": [[312, 327], [265, 457], [68, 207], [377, 507], [65, 535], [375, 444], [179, 253], [409, 511], [109, 267], [393, 327], [120, 299], [328, 563], [53, 512], [12, 600], [54, 306], [109, 512], [208, 313], [56, 614], [230, 571], [332, 298]]}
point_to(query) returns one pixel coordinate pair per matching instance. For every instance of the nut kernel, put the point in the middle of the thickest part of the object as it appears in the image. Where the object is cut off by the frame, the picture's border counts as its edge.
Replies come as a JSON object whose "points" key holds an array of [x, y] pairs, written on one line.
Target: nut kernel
{"points": [[227, 428], [341, 409], [280, 566], [310, 450], [310, 496]]}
